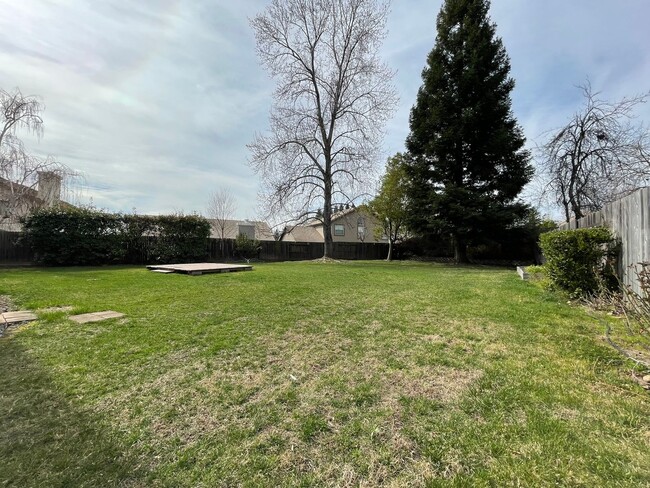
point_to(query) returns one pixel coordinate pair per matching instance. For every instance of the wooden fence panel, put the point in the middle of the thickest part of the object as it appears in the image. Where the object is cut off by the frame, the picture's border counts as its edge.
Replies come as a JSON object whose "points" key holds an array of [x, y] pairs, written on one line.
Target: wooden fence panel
{"points": [[299, 251], [12, 251]]}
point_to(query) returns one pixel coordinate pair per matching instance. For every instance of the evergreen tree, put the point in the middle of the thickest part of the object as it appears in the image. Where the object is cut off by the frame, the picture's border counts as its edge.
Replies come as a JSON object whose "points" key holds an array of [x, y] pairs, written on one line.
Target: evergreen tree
{"points": [[468, 162]]}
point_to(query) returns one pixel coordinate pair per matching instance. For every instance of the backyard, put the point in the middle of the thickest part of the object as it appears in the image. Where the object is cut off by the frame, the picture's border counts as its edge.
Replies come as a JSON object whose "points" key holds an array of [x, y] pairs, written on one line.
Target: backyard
{"points": [[312, 374]]}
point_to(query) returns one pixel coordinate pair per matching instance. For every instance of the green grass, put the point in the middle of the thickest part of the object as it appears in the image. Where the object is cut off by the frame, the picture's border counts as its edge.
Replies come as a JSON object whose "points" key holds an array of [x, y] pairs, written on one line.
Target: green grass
{"points": [[310, 374]]}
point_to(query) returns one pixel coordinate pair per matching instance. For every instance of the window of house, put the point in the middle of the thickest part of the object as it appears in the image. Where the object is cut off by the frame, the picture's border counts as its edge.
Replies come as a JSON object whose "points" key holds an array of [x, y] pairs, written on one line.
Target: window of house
{"points": [[361, 228], [339, 230]]}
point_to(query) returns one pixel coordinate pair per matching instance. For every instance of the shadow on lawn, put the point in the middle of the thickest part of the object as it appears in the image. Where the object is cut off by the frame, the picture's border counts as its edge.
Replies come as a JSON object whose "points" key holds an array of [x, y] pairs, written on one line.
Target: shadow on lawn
{"points": [[45, 440]]}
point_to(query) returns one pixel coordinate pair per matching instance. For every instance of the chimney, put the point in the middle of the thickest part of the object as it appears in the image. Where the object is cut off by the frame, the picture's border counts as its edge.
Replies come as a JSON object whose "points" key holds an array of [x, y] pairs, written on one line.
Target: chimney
{"points": [[49, 187]]}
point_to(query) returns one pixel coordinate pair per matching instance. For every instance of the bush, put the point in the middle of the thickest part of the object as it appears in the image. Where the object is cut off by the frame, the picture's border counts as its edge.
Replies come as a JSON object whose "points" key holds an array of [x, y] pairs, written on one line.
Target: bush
{"points": [[580, 261], [82, 236], [246, 247], [536, 270]]}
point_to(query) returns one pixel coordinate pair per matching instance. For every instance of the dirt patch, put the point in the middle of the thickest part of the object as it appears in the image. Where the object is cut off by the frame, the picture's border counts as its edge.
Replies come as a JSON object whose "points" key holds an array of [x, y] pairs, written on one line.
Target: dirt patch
{"points": [[6, 304], [326, 260]]}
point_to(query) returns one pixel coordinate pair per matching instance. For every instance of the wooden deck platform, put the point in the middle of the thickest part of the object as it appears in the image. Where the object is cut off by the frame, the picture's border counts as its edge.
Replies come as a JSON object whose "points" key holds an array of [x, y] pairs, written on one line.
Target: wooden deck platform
{"points": [[11, 318], [199, 268]]}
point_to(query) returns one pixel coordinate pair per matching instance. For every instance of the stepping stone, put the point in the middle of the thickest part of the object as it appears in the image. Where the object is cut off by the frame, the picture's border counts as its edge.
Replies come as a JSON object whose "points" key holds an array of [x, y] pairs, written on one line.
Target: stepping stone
{"points": [[163, 271], [95, 317], [10, 318]]}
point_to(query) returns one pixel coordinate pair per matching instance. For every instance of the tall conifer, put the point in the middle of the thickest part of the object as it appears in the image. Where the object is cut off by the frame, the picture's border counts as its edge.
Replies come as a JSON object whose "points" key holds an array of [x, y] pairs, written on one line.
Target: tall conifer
{"points": [[468, 158]]}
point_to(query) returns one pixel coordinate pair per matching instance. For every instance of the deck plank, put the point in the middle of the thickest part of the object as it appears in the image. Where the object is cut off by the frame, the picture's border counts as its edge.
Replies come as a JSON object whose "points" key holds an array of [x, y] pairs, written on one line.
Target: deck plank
{"points": [[10, 318], [196, 269]]}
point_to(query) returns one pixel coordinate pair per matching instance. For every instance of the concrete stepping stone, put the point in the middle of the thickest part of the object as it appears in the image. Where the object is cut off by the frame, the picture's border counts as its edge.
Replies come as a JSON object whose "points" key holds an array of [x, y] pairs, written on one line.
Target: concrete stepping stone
{"points": [[10, 318], [84, 318]]}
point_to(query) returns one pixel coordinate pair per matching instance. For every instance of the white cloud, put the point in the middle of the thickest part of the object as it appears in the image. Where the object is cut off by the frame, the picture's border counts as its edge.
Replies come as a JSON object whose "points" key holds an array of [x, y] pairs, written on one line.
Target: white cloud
{"points": [[155, 101]]}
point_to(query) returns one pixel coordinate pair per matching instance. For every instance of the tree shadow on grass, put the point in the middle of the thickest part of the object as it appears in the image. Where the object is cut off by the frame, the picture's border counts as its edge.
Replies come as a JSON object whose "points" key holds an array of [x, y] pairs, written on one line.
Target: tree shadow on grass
{"points": [[45, 440]]}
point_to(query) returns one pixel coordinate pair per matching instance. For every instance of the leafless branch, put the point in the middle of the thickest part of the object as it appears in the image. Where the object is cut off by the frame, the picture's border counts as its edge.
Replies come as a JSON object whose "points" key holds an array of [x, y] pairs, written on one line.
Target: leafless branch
{"points": [[600, 156], [332, 98], [21, 173], [221, 208]]}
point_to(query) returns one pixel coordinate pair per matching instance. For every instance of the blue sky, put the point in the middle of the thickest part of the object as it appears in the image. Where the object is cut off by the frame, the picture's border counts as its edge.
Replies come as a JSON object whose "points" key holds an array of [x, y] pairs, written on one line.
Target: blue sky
{"points": [[155, 101]]}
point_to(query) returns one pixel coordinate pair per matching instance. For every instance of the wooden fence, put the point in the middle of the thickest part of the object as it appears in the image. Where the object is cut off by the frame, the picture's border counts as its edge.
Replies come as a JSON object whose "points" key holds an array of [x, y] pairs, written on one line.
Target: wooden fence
{"points": [[629, 218], [299, 251], [14, 252]]}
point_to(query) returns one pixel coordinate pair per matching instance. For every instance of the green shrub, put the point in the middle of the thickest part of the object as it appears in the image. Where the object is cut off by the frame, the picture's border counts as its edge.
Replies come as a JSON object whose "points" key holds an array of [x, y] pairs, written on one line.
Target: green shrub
{"points": [[246, 247], [580, 261], [180, 238], [536, 269], [82, 236]]}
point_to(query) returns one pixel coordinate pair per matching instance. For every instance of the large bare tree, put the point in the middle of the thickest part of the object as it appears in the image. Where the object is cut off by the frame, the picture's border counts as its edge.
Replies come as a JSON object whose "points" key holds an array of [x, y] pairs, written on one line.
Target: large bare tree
{"points": [[333, 97], [21, 172], [221, 209], [599, 156]]}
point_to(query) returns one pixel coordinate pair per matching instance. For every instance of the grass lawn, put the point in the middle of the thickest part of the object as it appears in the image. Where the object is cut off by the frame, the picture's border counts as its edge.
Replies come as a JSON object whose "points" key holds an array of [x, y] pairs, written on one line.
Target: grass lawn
{"points": [[309, 374]]}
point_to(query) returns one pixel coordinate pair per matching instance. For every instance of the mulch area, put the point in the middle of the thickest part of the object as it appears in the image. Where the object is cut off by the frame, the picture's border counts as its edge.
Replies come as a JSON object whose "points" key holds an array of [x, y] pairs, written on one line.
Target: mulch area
{"points": [[6, 305]]}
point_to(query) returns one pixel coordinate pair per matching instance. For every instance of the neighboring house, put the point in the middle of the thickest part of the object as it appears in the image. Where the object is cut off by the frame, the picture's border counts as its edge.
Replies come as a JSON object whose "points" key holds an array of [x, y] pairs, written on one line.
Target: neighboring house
{"points": [[18, 200], [233, 228], [354, 224]]}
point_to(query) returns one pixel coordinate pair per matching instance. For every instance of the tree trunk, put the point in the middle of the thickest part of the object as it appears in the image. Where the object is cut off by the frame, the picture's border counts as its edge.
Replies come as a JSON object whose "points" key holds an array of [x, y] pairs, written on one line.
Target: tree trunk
{"points": [[460, 250], [327, 220], [329, 242], [390, 250]]}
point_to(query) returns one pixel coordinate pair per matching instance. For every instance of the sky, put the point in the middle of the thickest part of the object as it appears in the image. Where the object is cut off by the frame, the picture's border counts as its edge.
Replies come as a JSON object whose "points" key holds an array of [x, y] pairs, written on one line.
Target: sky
{"points": [[154, 101]]}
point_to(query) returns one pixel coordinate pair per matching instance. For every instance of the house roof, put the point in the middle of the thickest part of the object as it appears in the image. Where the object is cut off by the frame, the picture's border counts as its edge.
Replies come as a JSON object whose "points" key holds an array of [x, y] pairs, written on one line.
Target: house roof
{"points": [[231, 229], [335, 216], [303, 233], [30, 199], [31, 193]]}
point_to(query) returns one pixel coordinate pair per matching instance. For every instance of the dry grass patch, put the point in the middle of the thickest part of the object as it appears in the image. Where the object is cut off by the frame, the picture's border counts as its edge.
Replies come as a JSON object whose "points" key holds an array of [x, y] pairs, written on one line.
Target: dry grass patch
{"points": [[445, 385], [310, 398]]}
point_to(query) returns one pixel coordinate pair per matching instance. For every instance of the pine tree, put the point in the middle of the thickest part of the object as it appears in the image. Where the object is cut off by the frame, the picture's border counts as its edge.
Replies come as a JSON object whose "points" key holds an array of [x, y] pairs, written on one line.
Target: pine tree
{"points": [[468, 162]]}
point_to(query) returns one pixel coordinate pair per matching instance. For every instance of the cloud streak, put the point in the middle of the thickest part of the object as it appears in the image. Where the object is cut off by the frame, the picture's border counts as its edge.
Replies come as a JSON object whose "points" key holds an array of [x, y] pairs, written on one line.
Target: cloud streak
{"points": [[155, 101]]}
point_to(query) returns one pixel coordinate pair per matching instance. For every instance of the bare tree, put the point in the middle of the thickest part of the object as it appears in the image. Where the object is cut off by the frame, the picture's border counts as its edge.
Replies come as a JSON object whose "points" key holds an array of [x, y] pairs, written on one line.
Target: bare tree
{"points": [[21, 172], [598, 157], [221, 208], [332, 99], [18, 112]]}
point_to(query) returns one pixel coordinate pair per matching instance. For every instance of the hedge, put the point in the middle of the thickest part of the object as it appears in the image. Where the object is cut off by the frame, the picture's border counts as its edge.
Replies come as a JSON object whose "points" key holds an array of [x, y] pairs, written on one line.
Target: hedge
{"points": [[580, 261], [81, 236]]}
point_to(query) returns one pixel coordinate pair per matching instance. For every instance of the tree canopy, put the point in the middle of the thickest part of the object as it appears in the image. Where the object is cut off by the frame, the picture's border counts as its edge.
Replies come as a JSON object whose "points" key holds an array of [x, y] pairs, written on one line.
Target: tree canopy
{"points": [[468, 163], [390, 204]]}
